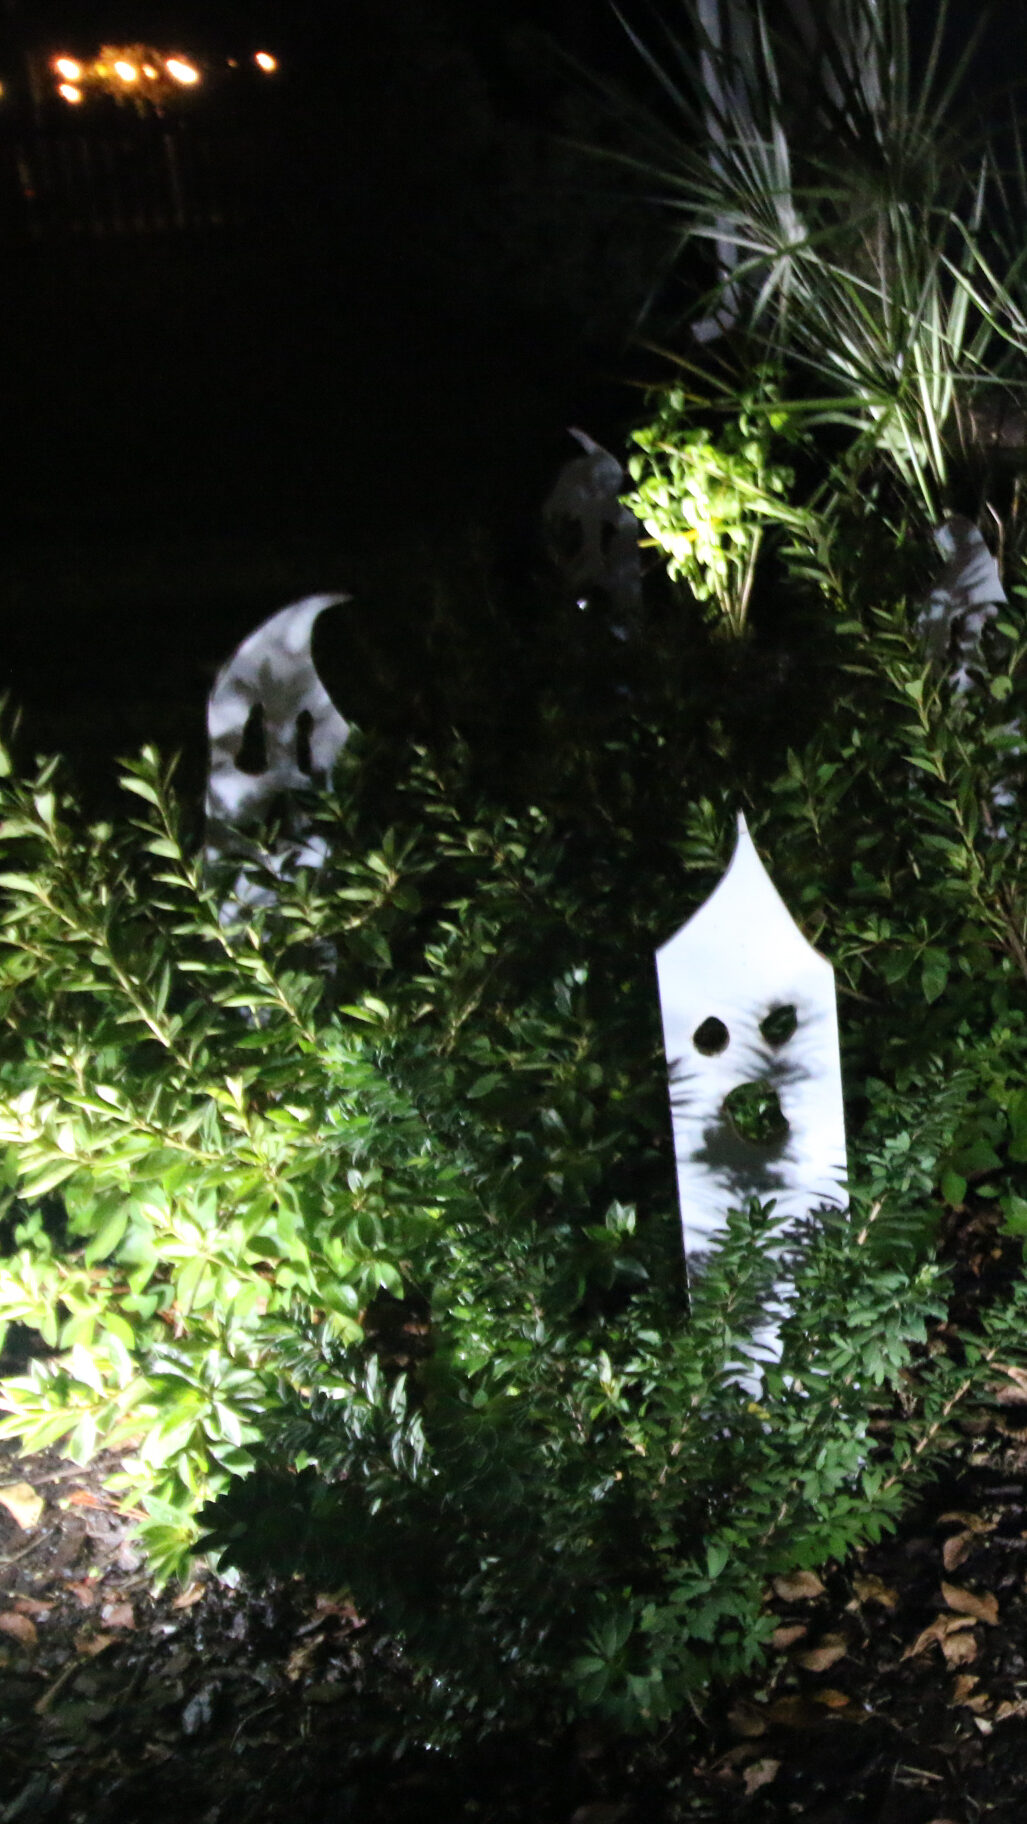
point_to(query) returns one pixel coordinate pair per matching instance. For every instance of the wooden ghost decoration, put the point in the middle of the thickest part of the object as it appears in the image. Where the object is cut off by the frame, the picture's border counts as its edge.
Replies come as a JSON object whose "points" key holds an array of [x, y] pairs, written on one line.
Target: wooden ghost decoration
{"points": [[592, 535], [750, 1029], [273, 731], [966, 596]]}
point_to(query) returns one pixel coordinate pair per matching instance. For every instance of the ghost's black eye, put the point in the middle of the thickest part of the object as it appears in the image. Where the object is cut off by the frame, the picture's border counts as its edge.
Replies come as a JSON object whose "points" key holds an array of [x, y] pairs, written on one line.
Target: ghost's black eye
{"points": [[711, 1037], [779, 1025], [252, 755], [304, 728]]}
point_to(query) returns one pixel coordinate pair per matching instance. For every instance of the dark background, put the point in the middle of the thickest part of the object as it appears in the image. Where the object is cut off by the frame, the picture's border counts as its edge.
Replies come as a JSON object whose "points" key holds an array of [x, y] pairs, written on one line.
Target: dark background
{"points": [[410, 288], [342, 355]]}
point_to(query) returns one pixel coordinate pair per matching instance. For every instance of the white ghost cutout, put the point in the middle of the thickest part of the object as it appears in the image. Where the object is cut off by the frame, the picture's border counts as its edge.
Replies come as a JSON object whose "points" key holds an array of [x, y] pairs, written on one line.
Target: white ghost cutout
{"points": [[747, 1001], [966, 596], [270, 690], [592, 534]]}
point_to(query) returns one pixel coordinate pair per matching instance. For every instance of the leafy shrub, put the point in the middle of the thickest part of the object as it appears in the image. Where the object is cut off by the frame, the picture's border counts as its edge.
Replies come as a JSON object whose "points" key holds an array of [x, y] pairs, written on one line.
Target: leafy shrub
{"points": [[362, 1218], [356, 1225], [708, 500]]}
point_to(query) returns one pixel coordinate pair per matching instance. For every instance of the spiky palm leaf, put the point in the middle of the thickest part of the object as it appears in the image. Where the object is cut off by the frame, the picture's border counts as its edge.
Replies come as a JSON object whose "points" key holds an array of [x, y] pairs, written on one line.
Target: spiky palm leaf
{"points": [[853, 237]]}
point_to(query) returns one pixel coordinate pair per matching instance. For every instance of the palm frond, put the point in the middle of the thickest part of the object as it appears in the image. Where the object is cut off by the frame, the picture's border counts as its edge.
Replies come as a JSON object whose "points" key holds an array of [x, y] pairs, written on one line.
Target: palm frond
{"points": [[866, 269]]}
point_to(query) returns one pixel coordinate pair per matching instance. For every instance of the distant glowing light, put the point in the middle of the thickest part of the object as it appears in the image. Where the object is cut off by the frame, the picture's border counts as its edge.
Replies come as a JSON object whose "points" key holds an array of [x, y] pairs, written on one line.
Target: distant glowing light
{"points": [[265, 61], [180, 71], [68, 68], [126, 71], [70, 91], [149, 72]]}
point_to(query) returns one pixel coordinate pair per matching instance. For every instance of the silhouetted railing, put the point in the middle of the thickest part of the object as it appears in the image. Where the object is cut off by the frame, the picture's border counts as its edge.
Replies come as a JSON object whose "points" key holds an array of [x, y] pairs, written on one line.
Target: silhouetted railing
{"points": [[136, 177]]}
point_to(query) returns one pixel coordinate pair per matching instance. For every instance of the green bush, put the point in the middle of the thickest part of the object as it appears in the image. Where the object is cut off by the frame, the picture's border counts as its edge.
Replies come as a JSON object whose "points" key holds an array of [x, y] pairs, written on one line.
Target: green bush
{"points": [[355, 1225], [707, 501], [361, 1218]]}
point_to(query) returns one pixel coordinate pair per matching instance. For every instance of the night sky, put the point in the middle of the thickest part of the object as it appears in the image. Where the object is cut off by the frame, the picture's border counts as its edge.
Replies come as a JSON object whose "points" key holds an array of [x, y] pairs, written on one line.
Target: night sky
{"points": [[586, 29], [379, 358], [375, 363]]}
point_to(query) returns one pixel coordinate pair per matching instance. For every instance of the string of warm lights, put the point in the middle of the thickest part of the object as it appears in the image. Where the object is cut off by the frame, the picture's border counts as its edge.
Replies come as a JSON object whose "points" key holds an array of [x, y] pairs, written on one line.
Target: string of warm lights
{"points": [[135, 72]]}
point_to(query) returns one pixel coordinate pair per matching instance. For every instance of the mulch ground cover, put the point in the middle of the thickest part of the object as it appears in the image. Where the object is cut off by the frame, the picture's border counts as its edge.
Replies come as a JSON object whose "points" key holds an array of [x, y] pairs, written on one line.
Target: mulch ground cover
{"points": [[895, 1691]]}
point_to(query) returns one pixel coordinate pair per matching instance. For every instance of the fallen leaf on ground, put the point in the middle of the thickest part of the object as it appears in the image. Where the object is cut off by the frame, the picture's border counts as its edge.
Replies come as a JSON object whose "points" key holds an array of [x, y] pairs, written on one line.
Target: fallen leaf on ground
{"points": [[340, 1606], [760, 1773], [926, 1638], [959, 1649], [118, 1615], [1014, 1388], [938, 1630], [747, 1720], [956, 1550], [22, 1503], [84, 1592], [92, 1644], [963, 1686], [789, 1634], [84, 1497], [31, 1605], [801, 1586], [738, 1756], [820, 1658], [195, 1593], [1010, 1707], [20, 1627], [973, 1523], [966, 1602], [791, 1713], [871, 1589], [299, 1659], [834, 1700]]}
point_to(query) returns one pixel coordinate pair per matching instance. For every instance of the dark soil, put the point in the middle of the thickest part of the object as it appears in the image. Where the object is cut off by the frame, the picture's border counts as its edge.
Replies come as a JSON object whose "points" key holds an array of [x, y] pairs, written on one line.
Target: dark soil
{"points": [[896, 1690]]}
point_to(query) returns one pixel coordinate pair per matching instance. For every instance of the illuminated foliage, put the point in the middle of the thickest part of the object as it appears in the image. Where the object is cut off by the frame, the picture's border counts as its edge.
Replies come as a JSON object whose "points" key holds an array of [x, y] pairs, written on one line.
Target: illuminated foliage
{"points": [[363, 1220]]}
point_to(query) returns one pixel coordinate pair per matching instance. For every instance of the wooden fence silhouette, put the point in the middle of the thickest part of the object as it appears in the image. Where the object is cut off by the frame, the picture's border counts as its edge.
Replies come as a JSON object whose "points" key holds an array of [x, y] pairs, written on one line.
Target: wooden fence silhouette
{"points": [[132, 177]]}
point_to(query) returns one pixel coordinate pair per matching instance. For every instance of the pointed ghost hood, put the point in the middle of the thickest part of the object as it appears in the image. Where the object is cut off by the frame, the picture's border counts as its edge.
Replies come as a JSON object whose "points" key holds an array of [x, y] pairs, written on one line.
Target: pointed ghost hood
{"points": [[271, 675], [593, 537], [748, 1008], [270, 686], [967, 595]]}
